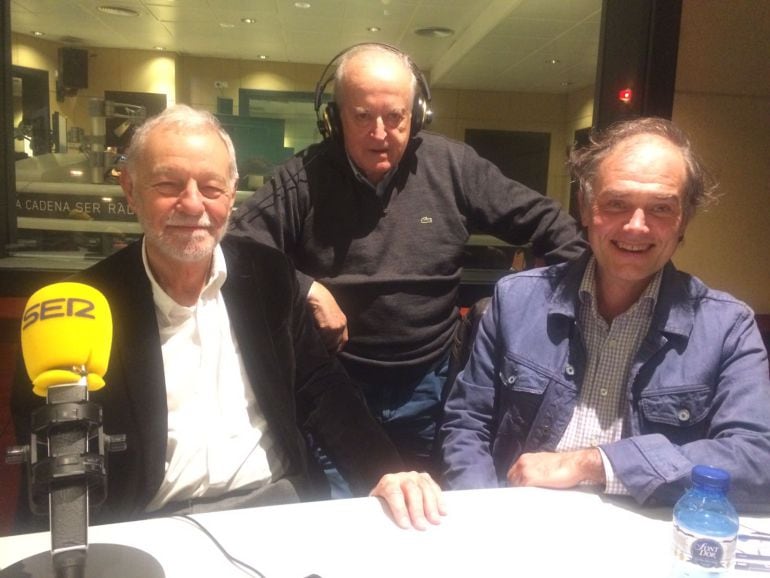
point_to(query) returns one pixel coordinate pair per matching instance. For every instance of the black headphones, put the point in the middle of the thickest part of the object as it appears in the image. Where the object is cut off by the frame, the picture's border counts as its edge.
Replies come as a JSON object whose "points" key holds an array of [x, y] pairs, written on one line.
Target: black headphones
{"points": [[328, 121]]}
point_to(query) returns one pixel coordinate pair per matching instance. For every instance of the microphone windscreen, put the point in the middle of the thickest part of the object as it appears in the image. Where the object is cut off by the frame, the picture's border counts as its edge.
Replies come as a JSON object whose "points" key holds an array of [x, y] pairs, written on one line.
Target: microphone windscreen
{"points": [[66, 333]]}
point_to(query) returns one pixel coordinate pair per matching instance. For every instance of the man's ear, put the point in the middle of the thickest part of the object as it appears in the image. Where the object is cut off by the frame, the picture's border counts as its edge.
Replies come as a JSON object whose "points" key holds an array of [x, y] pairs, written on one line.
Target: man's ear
{"points": [[232, 197], [127, 184]]}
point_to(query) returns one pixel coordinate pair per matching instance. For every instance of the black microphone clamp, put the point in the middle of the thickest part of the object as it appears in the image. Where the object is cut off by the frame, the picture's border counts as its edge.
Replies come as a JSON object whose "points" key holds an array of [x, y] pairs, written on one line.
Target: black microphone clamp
{"points": [[46, 472]]}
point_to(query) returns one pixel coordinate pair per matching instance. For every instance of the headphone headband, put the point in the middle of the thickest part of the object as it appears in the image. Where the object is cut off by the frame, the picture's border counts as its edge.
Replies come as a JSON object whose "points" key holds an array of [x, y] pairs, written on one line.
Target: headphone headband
{"points": [[328, 121]]}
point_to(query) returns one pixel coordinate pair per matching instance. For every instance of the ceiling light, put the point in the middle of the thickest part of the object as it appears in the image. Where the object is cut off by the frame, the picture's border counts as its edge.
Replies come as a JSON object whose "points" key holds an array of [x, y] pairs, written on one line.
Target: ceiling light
{"points": [[373, 29], [553, 61], [117, 11], [302, 5], [434, 32], [159, 48], [226, 25], [37, 33], [263, 56]]}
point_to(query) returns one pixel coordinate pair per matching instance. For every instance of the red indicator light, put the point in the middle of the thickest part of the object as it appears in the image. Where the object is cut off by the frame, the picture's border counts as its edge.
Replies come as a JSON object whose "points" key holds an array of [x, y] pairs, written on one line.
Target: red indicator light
{"points": [[625, 95]]}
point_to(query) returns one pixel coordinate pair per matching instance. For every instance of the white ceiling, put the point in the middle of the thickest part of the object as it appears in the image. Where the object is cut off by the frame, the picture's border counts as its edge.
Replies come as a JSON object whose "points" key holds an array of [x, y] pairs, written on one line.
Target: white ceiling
{"points": [[503, 45]]}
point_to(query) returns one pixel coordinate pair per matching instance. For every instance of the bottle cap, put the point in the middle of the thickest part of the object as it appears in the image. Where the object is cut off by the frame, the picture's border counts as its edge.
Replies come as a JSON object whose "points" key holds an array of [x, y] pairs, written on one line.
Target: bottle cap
{"points": [[710, 477]]}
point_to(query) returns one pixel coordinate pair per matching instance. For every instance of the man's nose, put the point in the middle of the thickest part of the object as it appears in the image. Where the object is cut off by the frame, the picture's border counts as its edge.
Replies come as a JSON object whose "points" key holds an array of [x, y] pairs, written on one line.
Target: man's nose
{"points": [[378, 130], [191, 199], [637, 222]]}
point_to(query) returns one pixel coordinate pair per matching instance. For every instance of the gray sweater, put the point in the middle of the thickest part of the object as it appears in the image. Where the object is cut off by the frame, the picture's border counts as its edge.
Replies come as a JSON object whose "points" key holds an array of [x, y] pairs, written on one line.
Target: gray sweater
{"points": [[393, 263]]}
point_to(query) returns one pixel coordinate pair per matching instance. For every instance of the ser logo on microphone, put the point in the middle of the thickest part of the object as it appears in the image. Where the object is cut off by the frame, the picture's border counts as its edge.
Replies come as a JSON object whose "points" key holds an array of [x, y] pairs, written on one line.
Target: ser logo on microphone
{"points": [[59, 307]]}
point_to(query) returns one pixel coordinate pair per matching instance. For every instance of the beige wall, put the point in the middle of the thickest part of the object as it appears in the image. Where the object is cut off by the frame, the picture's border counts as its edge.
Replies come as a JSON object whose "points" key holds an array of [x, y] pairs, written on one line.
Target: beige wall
{"points": [[196, 77], [723, 101]]}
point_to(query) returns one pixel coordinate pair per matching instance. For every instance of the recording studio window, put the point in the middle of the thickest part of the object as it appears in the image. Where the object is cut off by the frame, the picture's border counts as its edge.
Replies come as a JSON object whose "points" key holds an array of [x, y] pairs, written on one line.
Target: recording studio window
{"points": [[271, 127], [69, 208]]}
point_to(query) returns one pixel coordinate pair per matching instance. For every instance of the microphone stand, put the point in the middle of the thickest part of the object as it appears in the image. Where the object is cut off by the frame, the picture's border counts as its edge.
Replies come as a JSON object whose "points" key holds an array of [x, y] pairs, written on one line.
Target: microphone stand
{"points": [[68, 474]]}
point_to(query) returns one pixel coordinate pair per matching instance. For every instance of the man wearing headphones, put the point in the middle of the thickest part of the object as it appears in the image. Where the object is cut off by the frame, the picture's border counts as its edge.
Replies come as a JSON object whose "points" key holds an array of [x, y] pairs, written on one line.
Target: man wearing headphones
{"points": [[376, 218]]}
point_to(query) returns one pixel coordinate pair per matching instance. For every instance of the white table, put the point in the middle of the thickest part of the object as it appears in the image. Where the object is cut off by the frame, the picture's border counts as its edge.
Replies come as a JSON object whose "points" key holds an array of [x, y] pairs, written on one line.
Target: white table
{"points": [[522, 532]]}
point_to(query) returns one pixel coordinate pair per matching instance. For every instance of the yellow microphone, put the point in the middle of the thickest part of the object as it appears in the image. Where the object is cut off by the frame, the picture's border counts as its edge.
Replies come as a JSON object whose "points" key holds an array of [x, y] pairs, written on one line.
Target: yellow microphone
{"points": [[66, 335]]}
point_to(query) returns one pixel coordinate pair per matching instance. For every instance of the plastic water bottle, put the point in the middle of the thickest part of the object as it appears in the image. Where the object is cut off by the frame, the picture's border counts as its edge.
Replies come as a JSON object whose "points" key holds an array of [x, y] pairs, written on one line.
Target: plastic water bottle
{"points": [[705, 526]]}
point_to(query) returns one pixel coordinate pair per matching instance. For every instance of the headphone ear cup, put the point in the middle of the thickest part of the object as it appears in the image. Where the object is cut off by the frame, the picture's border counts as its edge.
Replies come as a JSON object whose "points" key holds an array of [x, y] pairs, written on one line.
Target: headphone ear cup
{"points": [[420, 115], [330, 126]]}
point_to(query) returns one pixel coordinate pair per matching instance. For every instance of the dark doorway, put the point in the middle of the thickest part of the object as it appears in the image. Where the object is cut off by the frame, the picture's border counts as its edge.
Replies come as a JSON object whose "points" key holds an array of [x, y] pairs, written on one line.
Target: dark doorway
{"points": [[522, 156], [35, 123]]}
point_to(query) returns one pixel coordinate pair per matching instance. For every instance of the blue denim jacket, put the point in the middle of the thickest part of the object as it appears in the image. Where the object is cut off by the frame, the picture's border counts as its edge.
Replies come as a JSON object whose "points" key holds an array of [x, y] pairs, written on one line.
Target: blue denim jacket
{"points": [[698, 391]]}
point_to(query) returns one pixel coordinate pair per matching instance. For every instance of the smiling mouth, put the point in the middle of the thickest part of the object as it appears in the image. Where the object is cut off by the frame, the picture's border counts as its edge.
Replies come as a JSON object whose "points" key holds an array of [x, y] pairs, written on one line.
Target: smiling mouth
{"points": [[632, 247], [180, 223]]}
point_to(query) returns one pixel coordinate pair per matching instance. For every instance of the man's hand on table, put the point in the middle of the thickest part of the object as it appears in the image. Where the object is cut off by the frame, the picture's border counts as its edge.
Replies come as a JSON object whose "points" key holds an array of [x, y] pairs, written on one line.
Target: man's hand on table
{"points": [[557, 470], [414, 499]]}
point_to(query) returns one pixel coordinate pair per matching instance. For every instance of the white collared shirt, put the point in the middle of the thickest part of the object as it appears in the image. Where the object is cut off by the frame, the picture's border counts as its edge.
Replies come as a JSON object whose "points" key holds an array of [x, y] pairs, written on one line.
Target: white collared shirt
{"points": [[218, 439]]}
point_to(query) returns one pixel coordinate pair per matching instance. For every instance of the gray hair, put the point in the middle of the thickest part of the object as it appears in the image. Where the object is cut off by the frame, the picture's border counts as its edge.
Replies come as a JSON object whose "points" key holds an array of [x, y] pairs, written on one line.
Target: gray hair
{"points": [[180, 117], [372, 48], [584, 163]]}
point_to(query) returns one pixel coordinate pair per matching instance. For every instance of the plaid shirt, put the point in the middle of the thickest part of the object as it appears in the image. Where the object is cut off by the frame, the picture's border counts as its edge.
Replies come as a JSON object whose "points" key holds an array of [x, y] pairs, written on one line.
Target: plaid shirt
{"points": [[600, 412]]}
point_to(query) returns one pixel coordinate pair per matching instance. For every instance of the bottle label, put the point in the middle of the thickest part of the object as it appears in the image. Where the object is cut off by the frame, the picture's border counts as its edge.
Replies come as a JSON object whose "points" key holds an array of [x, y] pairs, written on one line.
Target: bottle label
{"points": [[701, 550]]}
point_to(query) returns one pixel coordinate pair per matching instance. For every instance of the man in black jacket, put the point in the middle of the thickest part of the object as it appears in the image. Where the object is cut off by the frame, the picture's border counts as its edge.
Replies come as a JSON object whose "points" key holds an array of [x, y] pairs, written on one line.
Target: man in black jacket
{"points": [[216, 373], [376, 219]]}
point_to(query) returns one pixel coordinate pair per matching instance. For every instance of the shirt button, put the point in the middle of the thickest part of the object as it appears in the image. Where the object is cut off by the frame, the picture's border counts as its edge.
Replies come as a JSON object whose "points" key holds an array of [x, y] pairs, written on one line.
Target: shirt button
{"points": [[569, 370], [683, 414], [603, 392]]}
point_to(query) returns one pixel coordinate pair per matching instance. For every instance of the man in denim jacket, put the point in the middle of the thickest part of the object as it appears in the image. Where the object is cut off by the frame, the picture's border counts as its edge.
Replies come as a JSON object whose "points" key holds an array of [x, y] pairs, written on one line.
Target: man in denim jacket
{"points": [[617, 370]]}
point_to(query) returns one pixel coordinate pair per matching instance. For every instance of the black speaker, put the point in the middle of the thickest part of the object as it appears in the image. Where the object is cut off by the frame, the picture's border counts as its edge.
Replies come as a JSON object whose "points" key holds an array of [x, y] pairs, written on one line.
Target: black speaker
{"points": [[328, 119], [73, 68]]}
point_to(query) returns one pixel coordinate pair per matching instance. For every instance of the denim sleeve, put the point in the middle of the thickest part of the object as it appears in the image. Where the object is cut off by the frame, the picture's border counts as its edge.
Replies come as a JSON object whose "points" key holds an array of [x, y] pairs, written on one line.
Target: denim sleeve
{"points": [[655, 468], [466, 433]]}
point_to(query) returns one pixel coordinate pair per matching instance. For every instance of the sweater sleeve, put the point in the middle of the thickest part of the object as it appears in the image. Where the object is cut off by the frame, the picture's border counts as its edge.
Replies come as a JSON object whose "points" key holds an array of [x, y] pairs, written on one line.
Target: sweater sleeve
{"points": [[499, 206], [275, 213]]}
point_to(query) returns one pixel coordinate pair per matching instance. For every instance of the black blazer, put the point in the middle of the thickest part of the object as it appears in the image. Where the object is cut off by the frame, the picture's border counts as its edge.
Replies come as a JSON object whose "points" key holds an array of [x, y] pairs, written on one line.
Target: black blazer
{"points": [[299, 387]]}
